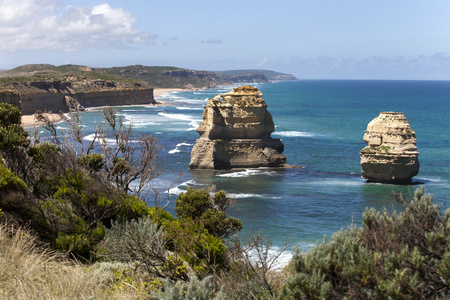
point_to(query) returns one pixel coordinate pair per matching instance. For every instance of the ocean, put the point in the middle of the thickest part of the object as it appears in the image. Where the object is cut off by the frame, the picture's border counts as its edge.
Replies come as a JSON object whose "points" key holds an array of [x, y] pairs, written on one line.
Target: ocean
{"points": [[321, 124]]}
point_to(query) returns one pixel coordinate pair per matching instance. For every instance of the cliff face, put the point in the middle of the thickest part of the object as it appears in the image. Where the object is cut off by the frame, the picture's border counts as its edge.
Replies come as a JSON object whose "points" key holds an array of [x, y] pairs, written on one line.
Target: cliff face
{"points": [[10, 97], [235, 133], [391, 155], [53, 96]]}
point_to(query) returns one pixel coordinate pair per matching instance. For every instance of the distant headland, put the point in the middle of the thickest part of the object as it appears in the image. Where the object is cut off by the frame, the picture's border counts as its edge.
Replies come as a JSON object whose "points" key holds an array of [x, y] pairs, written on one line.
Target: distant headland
{"points": [[63, 88]]}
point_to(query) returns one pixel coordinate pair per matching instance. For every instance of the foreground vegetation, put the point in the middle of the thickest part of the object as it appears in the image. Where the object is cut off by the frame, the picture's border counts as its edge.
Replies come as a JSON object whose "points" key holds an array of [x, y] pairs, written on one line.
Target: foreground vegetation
{"points": [[75, 226]]}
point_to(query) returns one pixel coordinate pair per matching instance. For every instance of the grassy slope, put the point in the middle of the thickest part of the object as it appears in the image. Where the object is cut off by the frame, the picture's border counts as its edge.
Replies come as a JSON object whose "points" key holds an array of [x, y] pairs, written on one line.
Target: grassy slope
{"points": [[154, 76], [29, 272], [270, 75], [43, 72]]}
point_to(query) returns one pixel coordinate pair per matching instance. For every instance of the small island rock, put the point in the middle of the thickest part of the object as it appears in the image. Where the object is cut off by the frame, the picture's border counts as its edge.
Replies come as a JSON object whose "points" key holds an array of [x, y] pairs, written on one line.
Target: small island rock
{"points": [[235, 133], [391, 155]]}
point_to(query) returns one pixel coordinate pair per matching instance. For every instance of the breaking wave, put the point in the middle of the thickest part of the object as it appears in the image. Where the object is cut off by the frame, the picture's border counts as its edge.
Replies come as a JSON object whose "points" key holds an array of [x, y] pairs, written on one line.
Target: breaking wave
{"points": [[246, 173], [177, 148], [293, 134]]}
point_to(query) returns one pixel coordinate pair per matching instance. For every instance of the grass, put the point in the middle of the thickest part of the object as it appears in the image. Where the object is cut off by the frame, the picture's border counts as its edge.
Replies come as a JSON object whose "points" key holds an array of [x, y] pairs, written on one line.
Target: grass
{"points": [[30, 272], [42, 72]]}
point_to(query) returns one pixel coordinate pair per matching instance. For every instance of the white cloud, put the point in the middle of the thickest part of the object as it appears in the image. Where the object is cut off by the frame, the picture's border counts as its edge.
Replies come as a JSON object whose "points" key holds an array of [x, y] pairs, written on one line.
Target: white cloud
{"points": [[45, 24]]}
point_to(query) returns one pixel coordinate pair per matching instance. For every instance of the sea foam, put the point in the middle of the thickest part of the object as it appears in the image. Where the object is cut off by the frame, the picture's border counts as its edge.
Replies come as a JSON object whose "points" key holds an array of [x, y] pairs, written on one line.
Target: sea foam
{"points": [[137, 120], [246, 173], [177, 148], [181, 117], [188, 108], [182, 187], [248, 195], [293, 134], [191, 101]]}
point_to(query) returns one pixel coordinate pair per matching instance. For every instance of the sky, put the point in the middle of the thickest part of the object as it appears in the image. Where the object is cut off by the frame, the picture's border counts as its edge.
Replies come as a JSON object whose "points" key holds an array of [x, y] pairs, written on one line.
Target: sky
{"points": [[311, 39]]}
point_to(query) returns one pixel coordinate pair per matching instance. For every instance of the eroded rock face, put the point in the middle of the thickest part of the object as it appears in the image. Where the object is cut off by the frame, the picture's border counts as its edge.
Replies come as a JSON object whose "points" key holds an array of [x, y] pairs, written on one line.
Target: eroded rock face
{"points": [[391, 155], [59, 95], [235, 133]]}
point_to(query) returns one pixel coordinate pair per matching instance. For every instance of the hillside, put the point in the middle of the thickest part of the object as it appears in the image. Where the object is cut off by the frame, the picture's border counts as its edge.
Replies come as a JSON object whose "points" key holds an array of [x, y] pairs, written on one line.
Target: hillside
{"points": [[45, 72], [270, 75], [57, 88], [156, 77]]}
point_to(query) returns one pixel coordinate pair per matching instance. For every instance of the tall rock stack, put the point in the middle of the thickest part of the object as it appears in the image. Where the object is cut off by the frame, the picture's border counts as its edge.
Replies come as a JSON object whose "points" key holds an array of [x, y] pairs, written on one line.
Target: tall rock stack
{"points": [[391, 155], [235, 133]]}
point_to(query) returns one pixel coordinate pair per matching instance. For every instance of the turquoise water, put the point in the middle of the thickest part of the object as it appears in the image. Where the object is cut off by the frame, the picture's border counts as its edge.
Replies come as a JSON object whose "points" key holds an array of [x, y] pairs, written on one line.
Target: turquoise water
{"points": [[321, 124]]}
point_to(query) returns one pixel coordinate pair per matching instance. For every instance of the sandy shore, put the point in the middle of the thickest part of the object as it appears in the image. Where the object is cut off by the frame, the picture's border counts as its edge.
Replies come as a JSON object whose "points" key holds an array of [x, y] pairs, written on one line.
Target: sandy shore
{"points": [[159, 92], [29, 120]]}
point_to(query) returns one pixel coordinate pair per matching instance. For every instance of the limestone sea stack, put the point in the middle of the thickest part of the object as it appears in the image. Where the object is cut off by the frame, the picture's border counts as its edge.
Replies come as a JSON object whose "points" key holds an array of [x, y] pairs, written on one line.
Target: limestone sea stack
{"points": [[235, 133], [391, 155]]}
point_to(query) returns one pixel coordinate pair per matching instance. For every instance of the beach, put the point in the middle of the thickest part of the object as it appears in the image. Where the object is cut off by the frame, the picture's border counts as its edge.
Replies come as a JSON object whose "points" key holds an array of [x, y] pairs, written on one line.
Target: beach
{"points": [[160, 92], [29, 120]]}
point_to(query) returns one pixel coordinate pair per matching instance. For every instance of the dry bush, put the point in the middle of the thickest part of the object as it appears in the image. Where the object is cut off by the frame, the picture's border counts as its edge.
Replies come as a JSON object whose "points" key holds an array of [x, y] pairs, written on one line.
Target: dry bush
{"points": [[253, 271], [28, 272]]}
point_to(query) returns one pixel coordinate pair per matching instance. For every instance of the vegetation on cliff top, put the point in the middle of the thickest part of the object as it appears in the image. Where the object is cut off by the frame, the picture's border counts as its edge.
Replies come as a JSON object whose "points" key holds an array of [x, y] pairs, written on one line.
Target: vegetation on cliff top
{"points": [[44, 72], [157, 77]]}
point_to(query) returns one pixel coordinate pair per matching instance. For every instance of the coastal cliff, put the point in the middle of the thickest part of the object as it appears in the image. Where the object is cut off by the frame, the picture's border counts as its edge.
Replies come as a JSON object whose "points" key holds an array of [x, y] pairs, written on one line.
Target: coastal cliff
{"points": [[235, 133], [57, 88], [391, 155], [10, 97], [62, 96]]}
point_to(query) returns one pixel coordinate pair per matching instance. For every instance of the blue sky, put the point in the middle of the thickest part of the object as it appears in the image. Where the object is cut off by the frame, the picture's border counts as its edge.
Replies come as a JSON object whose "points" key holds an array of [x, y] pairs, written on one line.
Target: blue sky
{"points": [[346, 39]]}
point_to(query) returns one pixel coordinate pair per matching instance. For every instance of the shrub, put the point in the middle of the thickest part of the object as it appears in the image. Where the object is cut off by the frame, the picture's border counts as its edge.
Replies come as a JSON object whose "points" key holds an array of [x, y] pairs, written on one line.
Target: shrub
{"points": [[143, 243], [392, 256], [195, 290], [210, 212], [202, 250], [72, 217], [13, 141], [9, 115], [9, 182]]}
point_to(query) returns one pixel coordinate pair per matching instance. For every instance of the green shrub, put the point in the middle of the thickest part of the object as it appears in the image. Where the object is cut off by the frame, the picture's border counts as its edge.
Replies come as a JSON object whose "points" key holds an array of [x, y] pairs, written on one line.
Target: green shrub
{"points": [[392, 256], [192, 204], [131, 208], [9, 181], [92, 162], [41, 152], [210, 212], [12, 134], [80, 243], [9, 115], [141, 242], [74, 217], [202, 250]]}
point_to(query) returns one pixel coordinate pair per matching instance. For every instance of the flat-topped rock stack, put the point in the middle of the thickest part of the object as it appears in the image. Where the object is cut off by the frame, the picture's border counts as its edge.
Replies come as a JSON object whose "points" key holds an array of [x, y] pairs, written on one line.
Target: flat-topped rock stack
{"points": [[391, 155], [235, 133]]}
